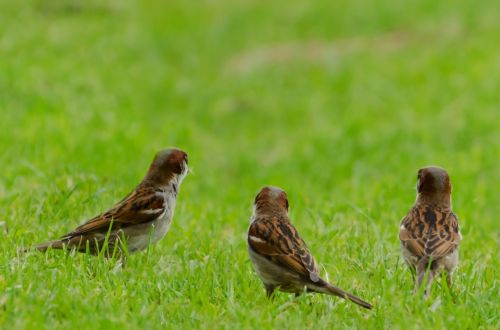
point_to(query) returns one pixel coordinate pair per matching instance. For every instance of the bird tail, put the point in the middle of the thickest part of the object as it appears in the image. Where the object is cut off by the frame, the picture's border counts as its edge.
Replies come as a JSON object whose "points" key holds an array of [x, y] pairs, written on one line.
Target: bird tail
{"points": [[58, 244], [61, 243], [425, 263], [78, 243], [332, 290]]}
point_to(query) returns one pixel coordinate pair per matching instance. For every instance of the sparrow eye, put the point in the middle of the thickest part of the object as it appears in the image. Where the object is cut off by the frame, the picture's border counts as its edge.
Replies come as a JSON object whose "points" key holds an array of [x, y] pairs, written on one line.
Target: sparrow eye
{"points": [[419, 183], [178, 168]]}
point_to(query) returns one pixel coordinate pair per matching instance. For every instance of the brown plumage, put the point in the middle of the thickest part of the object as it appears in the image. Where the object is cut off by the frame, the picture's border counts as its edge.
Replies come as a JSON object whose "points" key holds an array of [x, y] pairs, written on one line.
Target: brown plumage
{"points": [[429, 233], [142, 217], [280, 257]]}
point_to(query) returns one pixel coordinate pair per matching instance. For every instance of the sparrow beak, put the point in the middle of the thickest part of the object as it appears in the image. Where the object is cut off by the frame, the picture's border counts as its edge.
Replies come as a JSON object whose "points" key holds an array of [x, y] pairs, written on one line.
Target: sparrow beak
{"points": [[190, 171]]}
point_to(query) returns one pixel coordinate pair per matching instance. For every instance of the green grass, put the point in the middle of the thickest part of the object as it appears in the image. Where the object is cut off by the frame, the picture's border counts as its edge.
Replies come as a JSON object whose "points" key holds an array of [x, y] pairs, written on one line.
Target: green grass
{"points": [[338, 103]]}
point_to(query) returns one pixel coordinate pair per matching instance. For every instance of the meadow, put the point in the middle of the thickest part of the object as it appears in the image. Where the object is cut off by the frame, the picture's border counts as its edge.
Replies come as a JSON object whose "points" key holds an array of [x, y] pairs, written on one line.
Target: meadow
{"points": [[339, 103]]}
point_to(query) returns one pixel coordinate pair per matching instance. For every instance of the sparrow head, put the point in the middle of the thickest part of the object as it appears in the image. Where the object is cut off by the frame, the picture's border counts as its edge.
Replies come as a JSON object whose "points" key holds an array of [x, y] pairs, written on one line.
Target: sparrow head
{"points": [[168, 164], [271, 200], [433, 184]]}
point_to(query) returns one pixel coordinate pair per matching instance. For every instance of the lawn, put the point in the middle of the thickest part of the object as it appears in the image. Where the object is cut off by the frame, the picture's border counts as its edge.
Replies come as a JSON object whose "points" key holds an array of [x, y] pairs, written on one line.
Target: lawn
{"points": [[339, 103]]}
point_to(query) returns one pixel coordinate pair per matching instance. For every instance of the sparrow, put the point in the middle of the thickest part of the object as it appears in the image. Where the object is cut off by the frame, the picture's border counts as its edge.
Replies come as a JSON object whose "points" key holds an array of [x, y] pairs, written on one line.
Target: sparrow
{"points": [[144, 216], [429, 233], [280, 257]]}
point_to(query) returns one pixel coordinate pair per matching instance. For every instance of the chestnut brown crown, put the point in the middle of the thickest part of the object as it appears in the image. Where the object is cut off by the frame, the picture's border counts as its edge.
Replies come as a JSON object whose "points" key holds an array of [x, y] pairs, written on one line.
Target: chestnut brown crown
{"points": [[271, 199], [167, 164], [433, 180]]}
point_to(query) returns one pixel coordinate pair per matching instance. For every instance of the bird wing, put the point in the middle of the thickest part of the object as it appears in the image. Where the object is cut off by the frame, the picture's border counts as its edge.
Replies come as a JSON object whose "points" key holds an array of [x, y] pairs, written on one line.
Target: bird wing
{"points": [[276, 239], [140, 206], [430, 232]]}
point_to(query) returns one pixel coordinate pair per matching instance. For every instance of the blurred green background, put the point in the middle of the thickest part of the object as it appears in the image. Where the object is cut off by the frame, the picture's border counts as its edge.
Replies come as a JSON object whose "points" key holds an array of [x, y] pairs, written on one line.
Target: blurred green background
{"points": [[339, 103]]}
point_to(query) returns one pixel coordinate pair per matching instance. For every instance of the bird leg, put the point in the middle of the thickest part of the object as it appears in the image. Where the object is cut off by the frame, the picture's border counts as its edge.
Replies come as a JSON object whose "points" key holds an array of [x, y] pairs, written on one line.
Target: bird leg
{"points": [[449, 280], [270, 291]]}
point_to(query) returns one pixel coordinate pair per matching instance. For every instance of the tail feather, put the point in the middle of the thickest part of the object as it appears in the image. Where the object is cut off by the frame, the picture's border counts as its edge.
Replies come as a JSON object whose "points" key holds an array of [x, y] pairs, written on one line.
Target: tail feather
{"points": [[59, 244], [425, 263], [78, 243], [332, 290], [63, 242]]}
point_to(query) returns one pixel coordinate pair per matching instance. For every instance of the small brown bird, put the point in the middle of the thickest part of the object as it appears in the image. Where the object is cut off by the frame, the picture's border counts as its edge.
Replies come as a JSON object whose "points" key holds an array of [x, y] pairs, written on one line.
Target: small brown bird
{"points": [[141, 218], [279, 256], [429, 233]]}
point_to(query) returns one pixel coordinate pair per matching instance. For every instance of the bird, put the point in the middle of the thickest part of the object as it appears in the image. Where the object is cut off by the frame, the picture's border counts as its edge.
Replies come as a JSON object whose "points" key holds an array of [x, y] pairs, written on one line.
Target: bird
{"points": [[429, 234], [144, 216], [279, 256]]}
